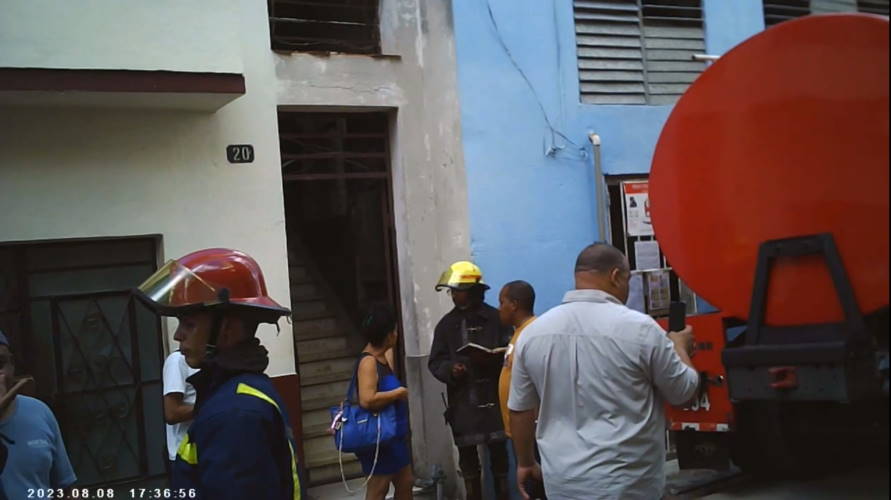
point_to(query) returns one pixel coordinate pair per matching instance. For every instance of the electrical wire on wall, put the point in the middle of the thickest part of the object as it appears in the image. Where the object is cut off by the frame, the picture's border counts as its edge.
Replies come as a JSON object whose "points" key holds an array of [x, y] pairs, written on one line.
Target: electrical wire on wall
{"points": [[553, 148]]}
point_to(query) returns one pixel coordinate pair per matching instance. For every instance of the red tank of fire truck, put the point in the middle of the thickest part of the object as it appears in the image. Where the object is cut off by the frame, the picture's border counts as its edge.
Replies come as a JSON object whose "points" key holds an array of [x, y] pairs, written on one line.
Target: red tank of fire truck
{"points": [[769, 198]]}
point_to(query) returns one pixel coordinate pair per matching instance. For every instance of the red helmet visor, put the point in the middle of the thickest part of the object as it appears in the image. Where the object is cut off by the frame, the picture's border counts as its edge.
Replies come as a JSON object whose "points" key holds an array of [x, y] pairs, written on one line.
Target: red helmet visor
{"points": [[175, 286]]}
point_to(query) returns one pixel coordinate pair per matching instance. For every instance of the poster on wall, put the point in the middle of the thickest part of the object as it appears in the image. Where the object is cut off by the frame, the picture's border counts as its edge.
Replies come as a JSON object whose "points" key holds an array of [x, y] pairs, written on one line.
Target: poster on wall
{"points": [[637, 208], [646, 255], [636, 293], [658, 291]]}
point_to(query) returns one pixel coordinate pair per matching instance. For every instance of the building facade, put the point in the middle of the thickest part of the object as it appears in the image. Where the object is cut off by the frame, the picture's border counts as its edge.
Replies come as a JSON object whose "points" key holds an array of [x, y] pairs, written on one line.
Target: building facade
{"points": [[562, 104], [354, 148], [538, 79], [344, 179]]}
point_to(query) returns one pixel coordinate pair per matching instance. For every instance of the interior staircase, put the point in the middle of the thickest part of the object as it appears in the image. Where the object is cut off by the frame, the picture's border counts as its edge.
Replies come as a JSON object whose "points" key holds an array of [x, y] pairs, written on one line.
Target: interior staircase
{"points": [[327, 346]]}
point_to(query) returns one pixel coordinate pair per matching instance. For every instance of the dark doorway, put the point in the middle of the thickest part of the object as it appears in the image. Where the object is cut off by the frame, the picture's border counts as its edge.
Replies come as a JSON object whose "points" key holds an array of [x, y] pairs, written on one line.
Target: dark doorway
{"points": [[94, 352], [339, 218]]}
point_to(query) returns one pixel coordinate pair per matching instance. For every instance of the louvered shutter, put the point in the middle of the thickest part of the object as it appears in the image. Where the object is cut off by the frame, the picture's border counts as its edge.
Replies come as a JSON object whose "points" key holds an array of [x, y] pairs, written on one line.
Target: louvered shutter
{"points": [[672, 33], [610, 57], [625, 57]]}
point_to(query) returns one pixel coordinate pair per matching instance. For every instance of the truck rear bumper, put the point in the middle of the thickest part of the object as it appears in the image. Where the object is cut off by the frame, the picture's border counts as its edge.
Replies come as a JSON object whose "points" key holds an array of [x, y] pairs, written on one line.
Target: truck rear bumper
{"points": [[825, 371]]}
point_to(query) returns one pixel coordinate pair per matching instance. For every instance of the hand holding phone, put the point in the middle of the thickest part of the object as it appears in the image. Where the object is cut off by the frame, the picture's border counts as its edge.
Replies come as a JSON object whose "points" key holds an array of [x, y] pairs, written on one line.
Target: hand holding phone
{"points": [[677, 316]]}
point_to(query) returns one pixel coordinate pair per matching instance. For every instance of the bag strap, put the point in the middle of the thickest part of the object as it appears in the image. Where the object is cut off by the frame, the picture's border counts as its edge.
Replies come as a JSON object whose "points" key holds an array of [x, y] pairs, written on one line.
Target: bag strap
{"points": [[351, 389], [377, 448]]}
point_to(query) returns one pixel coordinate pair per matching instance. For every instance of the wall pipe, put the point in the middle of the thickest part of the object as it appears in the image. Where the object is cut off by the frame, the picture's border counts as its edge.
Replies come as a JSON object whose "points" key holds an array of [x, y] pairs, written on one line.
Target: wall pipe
{"points": [[705, 57], [600, 189]]}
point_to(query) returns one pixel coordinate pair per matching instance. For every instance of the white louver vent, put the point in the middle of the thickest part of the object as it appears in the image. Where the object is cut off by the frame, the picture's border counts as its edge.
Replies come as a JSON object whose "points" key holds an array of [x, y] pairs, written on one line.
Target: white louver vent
{"points": [[637, 51]]}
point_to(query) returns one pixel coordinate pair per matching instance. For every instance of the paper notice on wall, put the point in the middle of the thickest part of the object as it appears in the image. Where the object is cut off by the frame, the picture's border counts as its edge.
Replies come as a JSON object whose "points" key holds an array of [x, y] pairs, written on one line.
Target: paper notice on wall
{"points": [[646, 255], [658, 291], [636, 293], [637, 208]]}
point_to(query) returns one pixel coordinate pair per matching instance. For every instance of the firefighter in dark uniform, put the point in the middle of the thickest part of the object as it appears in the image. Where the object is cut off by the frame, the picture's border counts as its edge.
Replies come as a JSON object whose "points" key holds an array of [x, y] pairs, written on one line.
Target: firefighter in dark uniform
{"points": [[240, 444], [472, 377]]}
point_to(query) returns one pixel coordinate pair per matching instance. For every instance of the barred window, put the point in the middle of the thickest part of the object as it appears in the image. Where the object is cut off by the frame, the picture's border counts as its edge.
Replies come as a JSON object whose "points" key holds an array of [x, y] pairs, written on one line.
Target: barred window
{"points": [[637, 51], [777, 11], [349, 26], [880, 7]]}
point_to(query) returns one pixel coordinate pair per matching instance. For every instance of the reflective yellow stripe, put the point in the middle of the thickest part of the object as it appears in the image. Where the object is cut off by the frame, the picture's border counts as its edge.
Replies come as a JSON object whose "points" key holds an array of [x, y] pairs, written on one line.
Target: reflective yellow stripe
{"points": [[246, 389], [188, 451], [243, 388], [294, 476]]}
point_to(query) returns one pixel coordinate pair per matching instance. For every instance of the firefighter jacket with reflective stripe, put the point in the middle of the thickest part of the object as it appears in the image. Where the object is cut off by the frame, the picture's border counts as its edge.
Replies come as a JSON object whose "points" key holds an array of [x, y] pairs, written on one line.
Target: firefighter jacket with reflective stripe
{"points": [[473, 413], [239, 445]]}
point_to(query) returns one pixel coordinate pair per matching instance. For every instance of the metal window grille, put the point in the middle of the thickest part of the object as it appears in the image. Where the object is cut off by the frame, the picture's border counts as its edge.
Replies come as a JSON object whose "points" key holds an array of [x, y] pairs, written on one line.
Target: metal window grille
{"points": [[831, 6], [880, 7], [777, 11], [637, 51], [350, 26], [351, 151], [333, 145]]}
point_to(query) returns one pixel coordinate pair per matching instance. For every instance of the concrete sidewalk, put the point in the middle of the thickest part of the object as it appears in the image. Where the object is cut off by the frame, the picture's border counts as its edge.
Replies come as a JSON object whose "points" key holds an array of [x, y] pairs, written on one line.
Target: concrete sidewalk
{"points": [[336, 491], [677, 483]]}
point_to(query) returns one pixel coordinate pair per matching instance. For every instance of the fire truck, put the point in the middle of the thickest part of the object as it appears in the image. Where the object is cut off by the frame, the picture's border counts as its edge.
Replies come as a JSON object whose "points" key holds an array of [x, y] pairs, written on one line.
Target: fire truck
{"points": [[769, 197]]}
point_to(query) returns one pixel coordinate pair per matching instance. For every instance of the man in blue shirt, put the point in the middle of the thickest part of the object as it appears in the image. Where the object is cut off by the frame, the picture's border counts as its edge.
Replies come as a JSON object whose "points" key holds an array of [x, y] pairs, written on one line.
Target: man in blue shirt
{"points": [[37, 459]]}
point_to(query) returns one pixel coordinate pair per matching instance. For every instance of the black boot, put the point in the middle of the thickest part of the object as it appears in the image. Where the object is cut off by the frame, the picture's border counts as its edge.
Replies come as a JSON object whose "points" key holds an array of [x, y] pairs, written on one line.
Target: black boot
{"points": [[474, 488]]}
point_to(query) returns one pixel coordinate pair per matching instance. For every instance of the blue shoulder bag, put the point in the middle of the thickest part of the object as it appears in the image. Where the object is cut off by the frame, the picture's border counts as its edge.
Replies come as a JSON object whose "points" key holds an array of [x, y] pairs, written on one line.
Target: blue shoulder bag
{"points": [[356, 429]]}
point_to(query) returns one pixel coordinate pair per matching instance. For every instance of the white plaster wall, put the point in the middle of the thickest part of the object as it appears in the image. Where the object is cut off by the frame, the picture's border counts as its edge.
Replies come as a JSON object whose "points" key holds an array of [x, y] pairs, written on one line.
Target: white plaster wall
{"points": [[87, 172], [171, 35], [416, 78]]}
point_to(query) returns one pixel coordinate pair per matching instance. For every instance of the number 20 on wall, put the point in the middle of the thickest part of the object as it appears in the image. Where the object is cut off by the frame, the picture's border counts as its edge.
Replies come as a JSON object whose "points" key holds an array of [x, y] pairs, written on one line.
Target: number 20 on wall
{"points": [[240, 153]]}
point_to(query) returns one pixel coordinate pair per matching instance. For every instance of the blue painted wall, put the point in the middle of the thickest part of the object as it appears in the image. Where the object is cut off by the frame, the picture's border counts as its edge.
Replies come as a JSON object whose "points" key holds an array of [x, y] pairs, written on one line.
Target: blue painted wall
{"points": [[525, 134]]}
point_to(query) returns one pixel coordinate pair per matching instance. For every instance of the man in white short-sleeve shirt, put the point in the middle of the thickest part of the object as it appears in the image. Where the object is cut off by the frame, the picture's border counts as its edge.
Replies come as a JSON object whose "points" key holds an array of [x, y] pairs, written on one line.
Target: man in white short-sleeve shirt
{"points": [[599, 373], [179, 400]]}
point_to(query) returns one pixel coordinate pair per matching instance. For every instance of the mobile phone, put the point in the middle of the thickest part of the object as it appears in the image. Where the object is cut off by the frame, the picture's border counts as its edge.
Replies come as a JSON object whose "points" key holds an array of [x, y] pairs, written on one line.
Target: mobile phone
{"points": [[677, 316]]}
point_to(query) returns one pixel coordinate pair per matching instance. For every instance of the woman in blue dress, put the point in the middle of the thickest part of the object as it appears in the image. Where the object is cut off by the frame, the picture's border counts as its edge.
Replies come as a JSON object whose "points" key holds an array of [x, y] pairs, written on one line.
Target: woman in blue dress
{"points": [[379, 387]]}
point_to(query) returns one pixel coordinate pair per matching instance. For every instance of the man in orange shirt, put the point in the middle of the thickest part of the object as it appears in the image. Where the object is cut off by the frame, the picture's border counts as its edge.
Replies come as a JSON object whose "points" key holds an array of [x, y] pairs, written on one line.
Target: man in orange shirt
{"points": [[516, 303]]}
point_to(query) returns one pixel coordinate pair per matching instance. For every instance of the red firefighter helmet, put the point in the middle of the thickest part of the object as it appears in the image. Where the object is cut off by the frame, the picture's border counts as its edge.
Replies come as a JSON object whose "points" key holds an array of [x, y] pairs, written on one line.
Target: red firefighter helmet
{"points": [[215, 278]]}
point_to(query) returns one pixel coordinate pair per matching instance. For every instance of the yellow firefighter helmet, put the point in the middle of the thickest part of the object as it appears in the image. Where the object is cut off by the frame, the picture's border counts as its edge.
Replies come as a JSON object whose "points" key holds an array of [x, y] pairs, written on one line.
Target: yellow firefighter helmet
{"points": [[462, 275]]}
